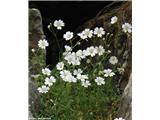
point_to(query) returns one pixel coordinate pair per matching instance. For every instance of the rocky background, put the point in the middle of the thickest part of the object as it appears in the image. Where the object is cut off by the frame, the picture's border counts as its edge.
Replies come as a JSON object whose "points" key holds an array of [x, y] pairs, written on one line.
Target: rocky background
{"points": [[121, 48]]}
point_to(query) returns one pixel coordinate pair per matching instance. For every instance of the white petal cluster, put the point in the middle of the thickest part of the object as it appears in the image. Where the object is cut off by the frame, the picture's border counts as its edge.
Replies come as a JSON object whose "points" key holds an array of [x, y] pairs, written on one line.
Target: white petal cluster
{"points": [[113, 60], [60, 66], [100, 81], [72, 58], [46, 71], [58, 24], [72, 75], [92, 51], [108, 72], [67, 76], [87, 33], [82, 77], [100, 50], [127, 27], [114, 19], [78, 71], [119, 118], [68, 48], [75, 58], [99, 31], [80, 54], [86, 83], [50, 81], [82, 35], [43, 43], [68, 35], [43, 89]]}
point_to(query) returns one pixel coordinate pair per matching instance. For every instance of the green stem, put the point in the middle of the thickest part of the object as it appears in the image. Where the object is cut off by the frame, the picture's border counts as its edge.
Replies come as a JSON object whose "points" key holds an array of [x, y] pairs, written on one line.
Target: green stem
{"points": [[76, 43], [55, 35]]}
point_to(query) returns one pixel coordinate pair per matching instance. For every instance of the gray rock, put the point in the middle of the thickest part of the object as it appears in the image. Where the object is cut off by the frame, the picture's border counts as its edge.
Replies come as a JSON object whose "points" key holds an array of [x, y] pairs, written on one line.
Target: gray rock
{"points": [[35, 27], [33, 93], [30, 116], [125, 109], [33, 97], [35, 34]]}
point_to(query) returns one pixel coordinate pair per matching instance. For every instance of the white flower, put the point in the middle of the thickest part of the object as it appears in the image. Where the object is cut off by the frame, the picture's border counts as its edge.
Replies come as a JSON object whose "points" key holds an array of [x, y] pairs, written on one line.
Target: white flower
{"points": [[99, 31], [52, 78], [49, 81], [114, 19], [76, 72], [68, 35], [113, 60], [60, 66], [108, 72], [82, 77], [33, 50], [85, 53], [72, 58], [82, 35], [72, 79], [43, 89], [46, 71], [43, 43], [100, 81], [92, 51], [69, 58], [67, 76], [87, 32], [64, 73], [100, 50], [127, 27], [68, 48], [59, 24], [119, 118], [80, 54], [86, 83]]}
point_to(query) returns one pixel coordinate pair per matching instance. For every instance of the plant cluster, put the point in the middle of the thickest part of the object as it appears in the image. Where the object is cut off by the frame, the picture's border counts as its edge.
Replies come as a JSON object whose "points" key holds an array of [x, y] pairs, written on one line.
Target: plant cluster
{"points": [[79, 86]]}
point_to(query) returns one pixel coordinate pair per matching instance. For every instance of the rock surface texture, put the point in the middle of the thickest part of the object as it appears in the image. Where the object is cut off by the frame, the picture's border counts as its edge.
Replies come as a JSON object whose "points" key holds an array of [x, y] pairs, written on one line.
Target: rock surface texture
{"points": [[35, 33], [125, 109], [35, 27]]}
